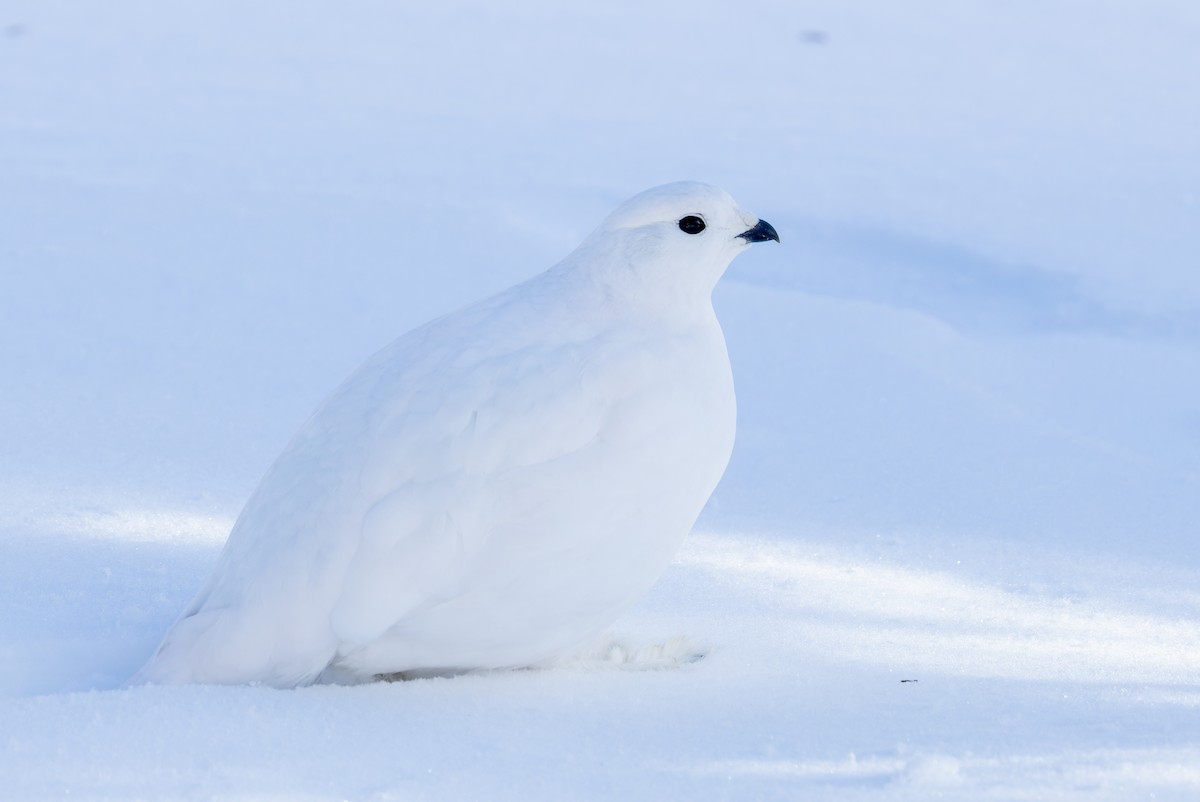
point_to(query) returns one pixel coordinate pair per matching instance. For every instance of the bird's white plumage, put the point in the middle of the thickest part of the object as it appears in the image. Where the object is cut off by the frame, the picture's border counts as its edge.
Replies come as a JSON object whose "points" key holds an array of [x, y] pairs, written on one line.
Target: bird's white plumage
{"points": [[495, 487]]}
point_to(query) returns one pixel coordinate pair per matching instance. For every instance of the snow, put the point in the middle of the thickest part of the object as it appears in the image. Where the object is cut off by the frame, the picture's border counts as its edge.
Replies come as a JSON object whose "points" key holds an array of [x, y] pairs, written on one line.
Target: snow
{"points": [[968, 423]]}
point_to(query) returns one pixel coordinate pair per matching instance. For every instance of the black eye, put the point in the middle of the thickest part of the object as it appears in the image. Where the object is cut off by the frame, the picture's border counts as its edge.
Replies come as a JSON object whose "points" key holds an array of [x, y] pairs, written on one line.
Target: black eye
{"points": [[691, 224]]}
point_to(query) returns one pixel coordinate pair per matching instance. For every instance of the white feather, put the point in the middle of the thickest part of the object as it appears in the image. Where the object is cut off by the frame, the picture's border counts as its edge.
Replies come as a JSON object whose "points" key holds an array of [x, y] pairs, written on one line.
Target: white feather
{"points": [[494, 488]]}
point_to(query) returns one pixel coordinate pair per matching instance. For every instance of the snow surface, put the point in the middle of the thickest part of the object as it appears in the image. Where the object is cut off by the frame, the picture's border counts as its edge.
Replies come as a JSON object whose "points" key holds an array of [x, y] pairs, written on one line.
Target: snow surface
{"points": [[968, 386]]}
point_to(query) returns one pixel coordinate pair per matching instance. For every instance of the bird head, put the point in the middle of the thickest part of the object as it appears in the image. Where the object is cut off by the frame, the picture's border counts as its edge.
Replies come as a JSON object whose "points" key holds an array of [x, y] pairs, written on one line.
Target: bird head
{"points": [[677, 237]]}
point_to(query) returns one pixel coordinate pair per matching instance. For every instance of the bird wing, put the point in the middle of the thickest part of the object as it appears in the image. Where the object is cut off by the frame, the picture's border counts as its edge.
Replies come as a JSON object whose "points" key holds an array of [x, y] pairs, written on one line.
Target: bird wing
{"points": [[435, 469], [380, 502]]}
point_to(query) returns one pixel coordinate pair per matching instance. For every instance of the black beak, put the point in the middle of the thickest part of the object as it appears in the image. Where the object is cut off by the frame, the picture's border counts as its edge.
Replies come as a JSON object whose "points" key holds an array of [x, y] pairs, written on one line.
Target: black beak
{"points": [[761, 232]]}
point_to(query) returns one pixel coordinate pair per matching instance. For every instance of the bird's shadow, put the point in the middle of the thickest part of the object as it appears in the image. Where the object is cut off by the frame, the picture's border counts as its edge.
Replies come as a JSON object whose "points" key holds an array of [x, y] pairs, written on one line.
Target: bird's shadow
{"points": [[609, 652]]}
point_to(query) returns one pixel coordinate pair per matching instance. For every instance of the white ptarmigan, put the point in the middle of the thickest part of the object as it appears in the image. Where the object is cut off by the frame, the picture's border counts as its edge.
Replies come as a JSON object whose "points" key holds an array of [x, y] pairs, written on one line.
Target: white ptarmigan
{"points": [[495, 487]]}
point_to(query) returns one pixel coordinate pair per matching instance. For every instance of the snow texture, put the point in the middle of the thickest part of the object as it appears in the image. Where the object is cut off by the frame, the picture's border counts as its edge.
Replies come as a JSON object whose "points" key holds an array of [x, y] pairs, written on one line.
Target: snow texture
{"points": [[953, 555]]}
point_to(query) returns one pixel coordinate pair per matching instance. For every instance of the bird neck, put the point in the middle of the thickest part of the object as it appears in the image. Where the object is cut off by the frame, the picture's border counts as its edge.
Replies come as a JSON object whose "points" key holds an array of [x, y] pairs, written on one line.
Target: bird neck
{"points": [[632, 274]]}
